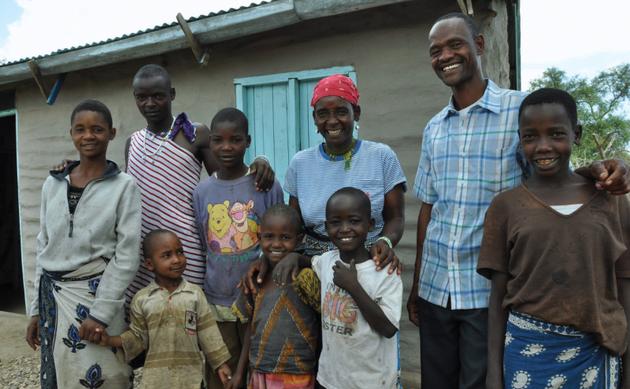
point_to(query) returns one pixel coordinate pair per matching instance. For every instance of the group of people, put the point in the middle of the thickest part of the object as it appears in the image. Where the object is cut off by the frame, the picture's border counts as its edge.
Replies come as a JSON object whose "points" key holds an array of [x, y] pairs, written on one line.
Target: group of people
{"points": [[521, 280]]}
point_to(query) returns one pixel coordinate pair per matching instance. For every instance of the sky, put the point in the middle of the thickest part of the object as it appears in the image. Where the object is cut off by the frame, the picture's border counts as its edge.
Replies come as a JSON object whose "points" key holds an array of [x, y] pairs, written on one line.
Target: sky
{"points": [[579, 36]]}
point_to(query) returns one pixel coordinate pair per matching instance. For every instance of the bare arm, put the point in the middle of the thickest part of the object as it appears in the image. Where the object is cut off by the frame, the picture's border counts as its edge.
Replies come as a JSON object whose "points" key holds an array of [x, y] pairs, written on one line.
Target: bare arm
{"points": [[424, 217], [393, 228], [127, 144], [497, 320], [202, 143], [241, 369], [394, 214]]}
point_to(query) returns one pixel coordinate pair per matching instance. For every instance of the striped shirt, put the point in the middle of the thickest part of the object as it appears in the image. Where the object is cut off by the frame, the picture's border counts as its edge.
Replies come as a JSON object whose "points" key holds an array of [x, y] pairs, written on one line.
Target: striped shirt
{"points": [[313, 176], [465, 161], [167, 175]]}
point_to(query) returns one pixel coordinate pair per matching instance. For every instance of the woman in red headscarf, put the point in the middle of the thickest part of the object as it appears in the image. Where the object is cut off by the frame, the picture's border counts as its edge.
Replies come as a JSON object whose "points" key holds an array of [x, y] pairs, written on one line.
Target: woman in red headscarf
{"points": [[343, 160]]}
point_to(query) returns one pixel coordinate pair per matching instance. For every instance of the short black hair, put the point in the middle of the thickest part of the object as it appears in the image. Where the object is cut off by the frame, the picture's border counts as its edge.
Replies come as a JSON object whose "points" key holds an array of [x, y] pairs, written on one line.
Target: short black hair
{"points": [[287, 212], [359, 196], [231, 115], [147, 242], [470, 23], [94, 106], [153, 70], [551, 96]]}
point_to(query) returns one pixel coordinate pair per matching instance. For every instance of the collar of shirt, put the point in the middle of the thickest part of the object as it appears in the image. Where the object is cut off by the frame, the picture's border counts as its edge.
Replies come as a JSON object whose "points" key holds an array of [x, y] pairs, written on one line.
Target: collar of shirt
{"points": [[490, 100], [184, 286]]}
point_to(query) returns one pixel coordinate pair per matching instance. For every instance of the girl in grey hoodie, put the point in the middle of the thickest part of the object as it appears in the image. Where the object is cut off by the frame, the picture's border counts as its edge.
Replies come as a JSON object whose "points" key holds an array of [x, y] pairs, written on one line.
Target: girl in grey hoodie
{"points": [[87, 254]]}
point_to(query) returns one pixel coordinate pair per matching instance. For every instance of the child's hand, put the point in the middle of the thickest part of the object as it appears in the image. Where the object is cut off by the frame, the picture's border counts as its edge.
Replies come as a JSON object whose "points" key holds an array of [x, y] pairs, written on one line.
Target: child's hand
{"points": [[104, 337], [345, 277], [235, 383], [225, 375], [32, 332]]}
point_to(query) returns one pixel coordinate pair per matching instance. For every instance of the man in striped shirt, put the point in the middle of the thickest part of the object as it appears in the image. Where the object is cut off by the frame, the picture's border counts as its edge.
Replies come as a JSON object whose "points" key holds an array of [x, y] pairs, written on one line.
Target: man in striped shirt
{"points": [[166, 158], [469, 154]]}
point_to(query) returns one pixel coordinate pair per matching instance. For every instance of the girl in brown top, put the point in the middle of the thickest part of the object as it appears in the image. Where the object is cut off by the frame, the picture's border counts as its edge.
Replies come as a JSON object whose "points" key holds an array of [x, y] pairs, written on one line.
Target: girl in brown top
{"points": [[556, 251]]}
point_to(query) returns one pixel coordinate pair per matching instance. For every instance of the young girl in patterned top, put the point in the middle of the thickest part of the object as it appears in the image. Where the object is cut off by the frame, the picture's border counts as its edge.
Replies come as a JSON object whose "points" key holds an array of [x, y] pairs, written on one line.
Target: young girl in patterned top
{"points": [[556, 251], [282, 337]]}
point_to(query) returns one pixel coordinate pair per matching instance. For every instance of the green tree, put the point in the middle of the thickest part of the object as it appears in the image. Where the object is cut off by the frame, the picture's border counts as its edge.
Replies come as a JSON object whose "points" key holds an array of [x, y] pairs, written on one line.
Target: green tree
{"points": [[600, 101]]}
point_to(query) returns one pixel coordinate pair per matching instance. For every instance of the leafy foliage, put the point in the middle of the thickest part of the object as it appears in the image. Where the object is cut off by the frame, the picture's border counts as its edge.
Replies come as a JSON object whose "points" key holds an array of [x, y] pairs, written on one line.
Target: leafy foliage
{"points": [[601, 101]]}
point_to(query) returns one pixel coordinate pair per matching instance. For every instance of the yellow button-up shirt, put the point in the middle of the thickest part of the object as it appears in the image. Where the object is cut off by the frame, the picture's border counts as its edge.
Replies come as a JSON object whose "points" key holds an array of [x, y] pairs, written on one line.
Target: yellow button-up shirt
{"points": [[179, 333]]}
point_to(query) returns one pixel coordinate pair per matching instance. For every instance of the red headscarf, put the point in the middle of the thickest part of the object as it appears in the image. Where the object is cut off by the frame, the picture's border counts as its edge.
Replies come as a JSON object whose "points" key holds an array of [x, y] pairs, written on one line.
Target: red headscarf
{"points": [[336, 85]]}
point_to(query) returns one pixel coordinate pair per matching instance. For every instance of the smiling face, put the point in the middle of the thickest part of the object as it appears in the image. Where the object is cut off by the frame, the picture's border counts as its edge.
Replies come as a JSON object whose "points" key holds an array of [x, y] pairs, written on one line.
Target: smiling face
{"points": [[154, 96], [454, 52], [348, 222], [334, 118], [91, 134], [547, 135], [166, 259], [278, 237], [228, 143]]}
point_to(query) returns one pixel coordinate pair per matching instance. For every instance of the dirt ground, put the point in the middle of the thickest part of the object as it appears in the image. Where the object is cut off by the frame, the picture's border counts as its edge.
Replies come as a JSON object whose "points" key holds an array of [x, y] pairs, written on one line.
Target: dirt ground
{"points": [[15, 351]]}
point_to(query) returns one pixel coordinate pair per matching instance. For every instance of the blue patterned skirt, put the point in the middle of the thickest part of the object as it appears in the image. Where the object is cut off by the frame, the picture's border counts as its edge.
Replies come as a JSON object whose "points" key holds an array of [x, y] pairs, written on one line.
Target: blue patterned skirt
{"points": [[542, 355], [67, 361]]}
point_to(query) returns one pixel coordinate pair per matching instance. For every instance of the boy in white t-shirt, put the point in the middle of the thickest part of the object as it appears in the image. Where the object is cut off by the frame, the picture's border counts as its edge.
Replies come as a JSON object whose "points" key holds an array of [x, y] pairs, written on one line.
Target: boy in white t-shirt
{"points": [[360, 306]]}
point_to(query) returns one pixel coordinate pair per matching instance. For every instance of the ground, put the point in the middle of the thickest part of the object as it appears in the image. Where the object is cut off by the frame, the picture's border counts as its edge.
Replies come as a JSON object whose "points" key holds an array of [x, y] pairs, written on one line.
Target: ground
{"points": [[19, 365]]}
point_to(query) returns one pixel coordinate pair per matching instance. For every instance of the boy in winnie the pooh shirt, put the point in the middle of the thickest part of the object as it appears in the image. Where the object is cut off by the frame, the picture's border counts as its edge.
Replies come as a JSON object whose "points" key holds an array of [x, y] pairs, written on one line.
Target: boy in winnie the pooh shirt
{"points": [[228, 210]]}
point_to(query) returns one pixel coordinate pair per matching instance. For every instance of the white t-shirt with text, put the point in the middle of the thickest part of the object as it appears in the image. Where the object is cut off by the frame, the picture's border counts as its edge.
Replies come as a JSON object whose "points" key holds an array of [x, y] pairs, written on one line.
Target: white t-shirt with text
{"points": [[353, 354]]}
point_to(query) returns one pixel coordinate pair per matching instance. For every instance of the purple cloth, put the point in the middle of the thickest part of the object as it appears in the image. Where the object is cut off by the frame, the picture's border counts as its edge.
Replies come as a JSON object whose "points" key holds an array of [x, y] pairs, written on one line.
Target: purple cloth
{"points": [[183, 123]]}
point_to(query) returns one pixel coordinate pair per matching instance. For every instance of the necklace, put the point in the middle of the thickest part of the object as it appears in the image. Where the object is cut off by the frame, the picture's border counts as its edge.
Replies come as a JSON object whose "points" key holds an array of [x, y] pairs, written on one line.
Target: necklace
{"points": [[347, 155], [163, 139], [214, 174]]}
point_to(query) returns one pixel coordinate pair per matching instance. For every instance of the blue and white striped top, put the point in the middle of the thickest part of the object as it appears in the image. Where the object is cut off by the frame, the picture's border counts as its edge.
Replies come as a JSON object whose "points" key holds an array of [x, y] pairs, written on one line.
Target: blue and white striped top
{"points": [[312, 177], [465, 161]]}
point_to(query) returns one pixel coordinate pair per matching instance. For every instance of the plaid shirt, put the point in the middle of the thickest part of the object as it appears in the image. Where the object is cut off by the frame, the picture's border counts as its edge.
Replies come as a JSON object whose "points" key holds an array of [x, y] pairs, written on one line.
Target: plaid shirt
{"points": [[466, 160]]}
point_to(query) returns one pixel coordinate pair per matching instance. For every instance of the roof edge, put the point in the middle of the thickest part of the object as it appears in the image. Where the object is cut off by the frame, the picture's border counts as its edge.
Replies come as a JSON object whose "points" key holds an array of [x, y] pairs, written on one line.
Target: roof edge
{"points": [[212, 29]]}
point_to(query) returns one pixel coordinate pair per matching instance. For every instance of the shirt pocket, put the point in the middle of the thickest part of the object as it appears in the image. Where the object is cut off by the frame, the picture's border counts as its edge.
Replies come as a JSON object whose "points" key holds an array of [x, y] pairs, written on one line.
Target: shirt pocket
{"points": [[497, 170]]}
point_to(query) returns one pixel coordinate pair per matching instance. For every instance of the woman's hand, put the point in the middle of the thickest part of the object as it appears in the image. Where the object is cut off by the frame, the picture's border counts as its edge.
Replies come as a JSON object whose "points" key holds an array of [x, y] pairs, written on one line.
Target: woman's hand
{"points": [[225, 375], [264, 174], [32, 332], [383, 255], [91, 330], [254, 276], [287, 270]]}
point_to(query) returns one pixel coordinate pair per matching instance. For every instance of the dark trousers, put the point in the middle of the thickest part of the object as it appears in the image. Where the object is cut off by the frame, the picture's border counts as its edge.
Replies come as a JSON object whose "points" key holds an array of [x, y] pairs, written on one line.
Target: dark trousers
{"points": [[453, 347]]}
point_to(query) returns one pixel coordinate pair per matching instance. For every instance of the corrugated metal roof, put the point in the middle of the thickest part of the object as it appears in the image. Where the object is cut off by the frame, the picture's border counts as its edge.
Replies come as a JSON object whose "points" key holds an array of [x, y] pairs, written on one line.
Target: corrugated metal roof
{"points": [[156, 28]]}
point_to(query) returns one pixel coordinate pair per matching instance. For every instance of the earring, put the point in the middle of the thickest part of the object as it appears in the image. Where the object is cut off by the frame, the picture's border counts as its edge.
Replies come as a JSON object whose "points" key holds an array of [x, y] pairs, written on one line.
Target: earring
{"points": [[355, 131]]}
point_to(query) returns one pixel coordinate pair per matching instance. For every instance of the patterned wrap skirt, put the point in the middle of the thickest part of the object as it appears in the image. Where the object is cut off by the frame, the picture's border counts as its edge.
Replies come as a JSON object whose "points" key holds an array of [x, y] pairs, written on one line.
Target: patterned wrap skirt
{"points": [[543, 355], [260, 380], [67, 361]]}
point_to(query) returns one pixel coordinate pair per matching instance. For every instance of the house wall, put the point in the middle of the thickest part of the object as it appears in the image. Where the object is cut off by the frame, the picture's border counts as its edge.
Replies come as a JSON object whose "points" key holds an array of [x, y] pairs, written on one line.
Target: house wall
{"points": [[388, 48]]}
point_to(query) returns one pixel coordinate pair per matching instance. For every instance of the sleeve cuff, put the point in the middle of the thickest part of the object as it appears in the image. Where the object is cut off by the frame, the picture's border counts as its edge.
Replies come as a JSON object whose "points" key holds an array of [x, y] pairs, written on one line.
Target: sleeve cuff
{"points": [[99, 321]]}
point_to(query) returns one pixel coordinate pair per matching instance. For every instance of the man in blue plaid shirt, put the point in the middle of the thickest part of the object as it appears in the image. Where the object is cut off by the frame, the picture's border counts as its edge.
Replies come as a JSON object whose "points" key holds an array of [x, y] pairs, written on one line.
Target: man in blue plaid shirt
{"points": [[469, 154]]}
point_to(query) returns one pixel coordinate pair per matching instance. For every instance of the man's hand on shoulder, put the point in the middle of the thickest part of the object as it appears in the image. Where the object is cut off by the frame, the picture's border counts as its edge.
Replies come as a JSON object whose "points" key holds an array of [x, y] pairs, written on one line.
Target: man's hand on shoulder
{"points": [[611, 175]]}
